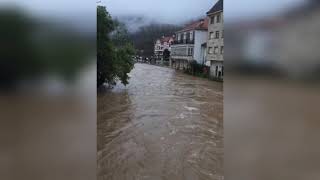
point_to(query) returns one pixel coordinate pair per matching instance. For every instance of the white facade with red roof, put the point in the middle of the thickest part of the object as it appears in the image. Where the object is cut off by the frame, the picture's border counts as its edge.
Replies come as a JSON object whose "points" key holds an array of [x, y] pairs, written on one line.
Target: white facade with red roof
{"points": [[162, 44], [188, 43]]}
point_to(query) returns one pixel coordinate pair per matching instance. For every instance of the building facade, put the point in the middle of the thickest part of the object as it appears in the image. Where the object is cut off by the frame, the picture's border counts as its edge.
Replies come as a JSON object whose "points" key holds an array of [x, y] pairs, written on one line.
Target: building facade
{"points": [[161, 45], [188, 43], [296, 51], [215, 41]]}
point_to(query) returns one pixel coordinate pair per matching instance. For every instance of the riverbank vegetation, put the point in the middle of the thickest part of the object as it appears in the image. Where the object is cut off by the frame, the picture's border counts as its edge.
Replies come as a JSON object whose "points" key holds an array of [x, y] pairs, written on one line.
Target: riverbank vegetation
{"points": [[36, 48], [114, 50], [200, 70]]}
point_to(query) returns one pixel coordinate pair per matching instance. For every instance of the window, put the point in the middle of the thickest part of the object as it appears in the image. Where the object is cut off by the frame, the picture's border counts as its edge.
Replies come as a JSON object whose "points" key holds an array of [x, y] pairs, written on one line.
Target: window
{"points": [[216, 50], [217, 34], [179, 37], [218, 18], [222, 34], [221, 50], [212, 20], [190, 51], [184, 35], [210, 50], [191, 35], [211, 36]]}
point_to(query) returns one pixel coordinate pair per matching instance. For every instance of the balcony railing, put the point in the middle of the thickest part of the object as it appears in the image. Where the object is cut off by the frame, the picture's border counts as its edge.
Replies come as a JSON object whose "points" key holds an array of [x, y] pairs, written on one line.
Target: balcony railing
{"points": [[184, 50], [184, 41]]}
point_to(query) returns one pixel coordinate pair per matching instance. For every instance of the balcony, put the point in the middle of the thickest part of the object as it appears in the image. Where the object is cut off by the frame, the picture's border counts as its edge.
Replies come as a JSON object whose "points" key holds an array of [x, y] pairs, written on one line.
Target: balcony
{"points": [[182, 51], [184, 41]]}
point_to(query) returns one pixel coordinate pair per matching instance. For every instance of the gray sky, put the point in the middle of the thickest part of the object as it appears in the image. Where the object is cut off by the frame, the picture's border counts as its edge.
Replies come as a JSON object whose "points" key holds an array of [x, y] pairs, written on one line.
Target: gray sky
{"points": [[170, 11], [167, 11], [180, 10]]}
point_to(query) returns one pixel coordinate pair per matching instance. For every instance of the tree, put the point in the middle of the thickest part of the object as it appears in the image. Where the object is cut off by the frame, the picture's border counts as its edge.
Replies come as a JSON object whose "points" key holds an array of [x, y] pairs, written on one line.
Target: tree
{"points": [[36, 48], [114, 51], [166, 55]]}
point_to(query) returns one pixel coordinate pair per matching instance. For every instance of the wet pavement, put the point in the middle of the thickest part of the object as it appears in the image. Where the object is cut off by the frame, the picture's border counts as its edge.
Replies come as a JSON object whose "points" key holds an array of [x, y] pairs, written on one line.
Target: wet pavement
{"points": [[164, 125]]}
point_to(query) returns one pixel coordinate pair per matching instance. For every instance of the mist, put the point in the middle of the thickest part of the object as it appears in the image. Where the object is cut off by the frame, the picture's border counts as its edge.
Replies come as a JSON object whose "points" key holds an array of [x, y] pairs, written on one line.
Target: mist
{"points": [[165, 11]]}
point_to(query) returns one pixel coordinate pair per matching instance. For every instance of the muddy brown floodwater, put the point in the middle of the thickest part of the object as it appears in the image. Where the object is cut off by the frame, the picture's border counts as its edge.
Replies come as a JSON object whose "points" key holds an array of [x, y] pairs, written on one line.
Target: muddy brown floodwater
{"points": [[164, 125]]}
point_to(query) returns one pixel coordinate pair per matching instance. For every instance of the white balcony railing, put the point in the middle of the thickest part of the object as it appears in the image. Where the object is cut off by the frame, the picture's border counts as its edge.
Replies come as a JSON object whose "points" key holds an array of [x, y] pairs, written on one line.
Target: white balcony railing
{"points": [[182, 50]]}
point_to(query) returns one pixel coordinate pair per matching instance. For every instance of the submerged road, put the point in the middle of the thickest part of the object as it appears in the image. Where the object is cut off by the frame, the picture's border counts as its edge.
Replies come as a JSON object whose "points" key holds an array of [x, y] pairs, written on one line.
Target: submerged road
{"points": [[164, 125]]}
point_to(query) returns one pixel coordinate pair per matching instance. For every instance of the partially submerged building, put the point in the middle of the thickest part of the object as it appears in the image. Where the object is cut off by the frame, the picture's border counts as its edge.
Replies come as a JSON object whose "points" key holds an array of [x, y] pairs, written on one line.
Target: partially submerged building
{"points": [[283, 44], [215, 41], [187, 44]]}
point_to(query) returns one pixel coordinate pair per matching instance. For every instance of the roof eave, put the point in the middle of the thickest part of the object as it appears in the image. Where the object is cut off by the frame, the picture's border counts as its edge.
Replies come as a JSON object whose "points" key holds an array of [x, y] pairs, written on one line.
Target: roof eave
{"points": [[212, 13], [185, 30]]}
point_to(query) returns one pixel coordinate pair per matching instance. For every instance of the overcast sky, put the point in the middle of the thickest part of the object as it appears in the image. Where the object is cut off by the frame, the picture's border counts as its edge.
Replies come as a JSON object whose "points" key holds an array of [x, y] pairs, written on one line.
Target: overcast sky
{"points": [[181, 10], [169, 11]]}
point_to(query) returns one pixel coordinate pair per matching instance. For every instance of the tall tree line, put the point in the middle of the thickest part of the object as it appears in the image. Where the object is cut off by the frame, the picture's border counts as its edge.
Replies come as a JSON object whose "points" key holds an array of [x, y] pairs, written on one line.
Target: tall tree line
{"points": [[114, 50]]}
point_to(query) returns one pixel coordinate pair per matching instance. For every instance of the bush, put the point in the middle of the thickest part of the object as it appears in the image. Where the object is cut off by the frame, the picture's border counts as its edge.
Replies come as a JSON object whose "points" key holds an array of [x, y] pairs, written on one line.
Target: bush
{"points": [[197, 69]]}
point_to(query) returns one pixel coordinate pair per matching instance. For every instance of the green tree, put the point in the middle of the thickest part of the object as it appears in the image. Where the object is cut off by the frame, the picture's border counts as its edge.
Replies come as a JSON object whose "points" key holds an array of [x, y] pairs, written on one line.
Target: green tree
{"points": [[36, 48], [114, 51]]}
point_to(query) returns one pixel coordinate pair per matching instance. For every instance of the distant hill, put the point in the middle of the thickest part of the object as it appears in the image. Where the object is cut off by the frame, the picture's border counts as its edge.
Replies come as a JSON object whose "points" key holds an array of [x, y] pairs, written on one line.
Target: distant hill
{"points": [[145, 37], [134, 22], [145, 31]]}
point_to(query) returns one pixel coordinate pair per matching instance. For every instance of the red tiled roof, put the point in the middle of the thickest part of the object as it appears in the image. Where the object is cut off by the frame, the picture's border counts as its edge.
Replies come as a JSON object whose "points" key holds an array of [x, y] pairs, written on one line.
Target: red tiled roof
{"points": [[197, 25], [166, 39]]}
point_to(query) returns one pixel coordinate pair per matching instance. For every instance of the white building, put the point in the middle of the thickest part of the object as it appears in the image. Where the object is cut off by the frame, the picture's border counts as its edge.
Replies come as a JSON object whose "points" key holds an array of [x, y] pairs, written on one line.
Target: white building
{"points": [[187, 44], [285, 44], [215, 42], [161, 45], [297, 41]]}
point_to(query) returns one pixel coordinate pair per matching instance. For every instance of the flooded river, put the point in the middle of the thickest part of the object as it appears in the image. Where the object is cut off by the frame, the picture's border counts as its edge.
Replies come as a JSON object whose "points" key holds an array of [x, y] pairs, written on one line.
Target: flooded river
{"points": [[164, 125]]}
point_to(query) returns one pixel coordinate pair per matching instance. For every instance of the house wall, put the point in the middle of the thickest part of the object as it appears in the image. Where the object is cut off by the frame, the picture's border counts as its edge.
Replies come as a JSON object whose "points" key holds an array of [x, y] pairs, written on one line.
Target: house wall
{"points": [[203, 54], [200, 38], [258, 46], [216, 69], [215, 60], [297, 46], [212, 42], [159, 48]]}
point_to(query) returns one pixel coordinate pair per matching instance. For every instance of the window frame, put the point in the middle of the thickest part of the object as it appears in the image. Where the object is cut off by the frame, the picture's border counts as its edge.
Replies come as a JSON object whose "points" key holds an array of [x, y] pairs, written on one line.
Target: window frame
{"points": [[214, 50], [211, 35], [212, 19], [218, 18], [217, 34], [210, 50]]}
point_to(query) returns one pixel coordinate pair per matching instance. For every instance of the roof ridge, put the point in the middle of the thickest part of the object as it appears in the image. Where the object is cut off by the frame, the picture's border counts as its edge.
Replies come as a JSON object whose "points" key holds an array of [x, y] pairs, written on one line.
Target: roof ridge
{"points": [[218, 6]]}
